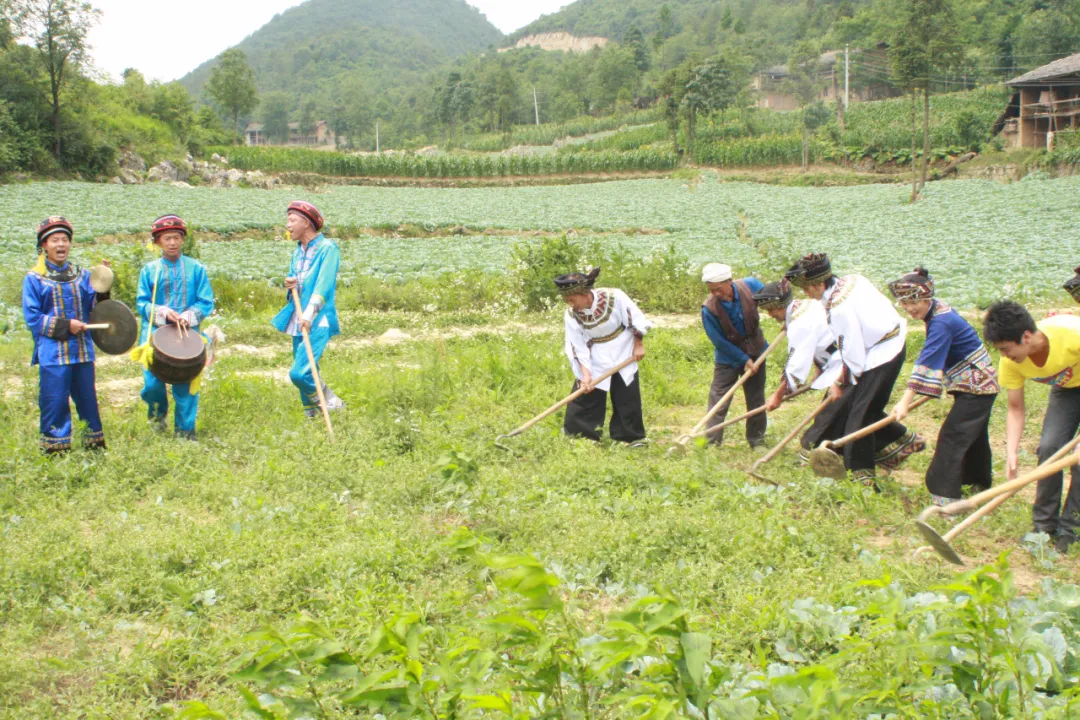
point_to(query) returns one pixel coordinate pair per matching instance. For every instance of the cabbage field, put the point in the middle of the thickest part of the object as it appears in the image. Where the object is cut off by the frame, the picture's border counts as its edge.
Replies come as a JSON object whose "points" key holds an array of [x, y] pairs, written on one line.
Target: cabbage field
{"points": [[982, 239]]}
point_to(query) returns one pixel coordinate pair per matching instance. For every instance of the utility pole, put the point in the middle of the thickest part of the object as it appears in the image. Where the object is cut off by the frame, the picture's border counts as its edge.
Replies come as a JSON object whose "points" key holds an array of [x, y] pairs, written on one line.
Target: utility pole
{"points": [[376, 136], [536, 107], [847, 75]]}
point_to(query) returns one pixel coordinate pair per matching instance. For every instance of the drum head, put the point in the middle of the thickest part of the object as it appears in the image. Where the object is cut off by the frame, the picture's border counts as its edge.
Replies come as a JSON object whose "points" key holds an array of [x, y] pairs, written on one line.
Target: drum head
{"points": [[122, 332], [169, 342]]}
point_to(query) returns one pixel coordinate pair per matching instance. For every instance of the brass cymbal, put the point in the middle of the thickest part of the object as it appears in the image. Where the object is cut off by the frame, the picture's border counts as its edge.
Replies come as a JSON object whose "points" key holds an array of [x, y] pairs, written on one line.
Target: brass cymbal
{"points": [[101, 278], [122, 330]]}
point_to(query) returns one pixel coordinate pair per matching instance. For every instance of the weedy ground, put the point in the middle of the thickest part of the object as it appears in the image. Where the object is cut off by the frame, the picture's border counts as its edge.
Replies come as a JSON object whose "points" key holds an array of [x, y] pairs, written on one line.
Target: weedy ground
{"points": [[130, 578], [560, 579]]}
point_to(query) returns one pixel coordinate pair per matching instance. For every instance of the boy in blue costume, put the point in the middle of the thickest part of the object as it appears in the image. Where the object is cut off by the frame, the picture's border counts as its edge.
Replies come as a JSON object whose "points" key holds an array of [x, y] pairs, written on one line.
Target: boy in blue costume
{"points": [[57, 300], [177, 290], [955, 361], [313, 272]]}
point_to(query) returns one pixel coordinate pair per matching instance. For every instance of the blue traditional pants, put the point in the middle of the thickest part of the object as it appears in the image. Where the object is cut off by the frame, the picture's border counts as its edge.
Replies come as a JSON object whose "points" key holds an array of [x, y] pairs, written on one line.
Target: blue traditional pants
{"points": [[157, 402], [58, 385], [301, 374]]}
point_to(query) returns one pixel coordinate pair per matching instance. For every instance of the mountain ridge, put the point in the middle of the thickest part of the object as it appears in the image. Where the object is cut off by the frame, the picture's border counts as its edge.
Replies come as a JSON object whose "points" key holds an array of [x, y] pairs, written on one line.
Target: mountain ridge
{"points": [[325, 39]]}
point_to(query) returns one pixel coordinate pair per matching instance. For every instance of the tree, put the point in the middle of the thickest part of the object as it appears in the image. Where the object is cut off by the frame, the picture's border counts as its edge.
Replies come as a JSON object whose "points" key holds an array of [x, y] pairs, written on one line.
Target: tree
{"points": [[57, 29], [172, 104], [672, 91], [636, 42], [711, 87], [232, 87], [814, 116], [667, 22], [1052, 29], [615, 72], [136, 89], [804, 82], [496, 91], [727, 19], [454, 102], [307, 118], [925, 44], [274, 113]]}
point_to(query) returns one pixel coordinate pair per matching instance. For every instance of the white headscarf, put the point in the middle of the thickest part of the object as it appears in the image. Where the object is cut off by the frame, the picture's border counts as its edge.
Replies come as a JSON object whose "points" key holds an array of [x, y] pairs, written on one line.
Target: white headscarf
{"points": [[715, 273]]}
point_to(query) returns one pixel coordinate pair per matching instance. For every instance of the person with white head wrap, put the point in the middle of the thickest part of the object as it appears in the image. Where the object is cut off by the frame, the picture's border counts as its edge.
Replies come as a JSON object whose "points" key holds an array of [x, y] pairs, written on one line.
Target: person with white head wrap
{"points": [[715, 273], [730, 318]]}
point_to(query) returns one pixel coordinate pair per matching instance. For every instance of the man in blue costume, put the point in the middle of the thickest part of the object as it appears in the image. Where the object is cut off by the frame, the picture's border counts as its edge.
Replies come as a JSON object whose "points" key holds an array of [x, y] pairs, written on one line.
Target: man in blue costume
{"points": [[57, 300], [731, 321], [176, 288], [313, 272]]}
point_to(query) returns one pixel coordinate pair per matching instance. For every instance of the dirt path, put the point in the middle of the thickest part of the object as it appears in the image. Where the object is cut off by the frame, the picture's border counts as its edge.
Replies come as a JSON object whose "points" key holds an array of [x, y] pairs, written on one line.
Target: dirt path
{"points": [[122, 390]]}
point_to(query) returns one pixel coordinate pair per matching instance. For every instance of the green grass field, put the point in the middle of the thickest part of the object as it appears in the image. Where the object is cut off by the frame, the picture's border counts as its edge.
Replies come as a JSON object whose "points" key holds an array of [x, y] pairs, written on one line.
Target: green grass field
{"points": [[412, 569]]}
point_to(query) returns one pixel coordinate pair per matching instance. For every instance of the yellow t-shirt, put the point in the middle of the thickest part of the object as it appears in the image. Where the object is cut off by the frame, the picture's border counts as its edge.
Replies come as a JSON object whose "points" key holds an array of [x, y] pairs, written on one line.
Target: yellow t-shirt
{"points": [[1062, 366]]}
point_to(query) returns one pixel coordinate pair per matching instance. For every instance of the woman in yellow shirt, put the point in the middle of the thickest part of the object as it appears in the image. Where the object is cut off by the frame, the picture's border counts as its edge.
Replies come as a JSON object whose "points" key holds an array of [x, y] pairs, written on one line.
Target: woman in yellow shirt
{"points": [[1049, 353]]}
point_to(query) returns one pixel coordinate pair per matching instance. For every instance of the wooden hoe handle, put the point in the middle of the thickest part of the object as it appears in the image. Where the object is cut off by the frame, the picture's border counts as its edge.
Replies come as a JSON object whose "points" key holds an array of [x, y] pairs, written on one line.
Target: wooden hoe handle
{"points": [[722, 403], [568, 399], [311, 361], [873, 427], [791, 435], [746, 415]]}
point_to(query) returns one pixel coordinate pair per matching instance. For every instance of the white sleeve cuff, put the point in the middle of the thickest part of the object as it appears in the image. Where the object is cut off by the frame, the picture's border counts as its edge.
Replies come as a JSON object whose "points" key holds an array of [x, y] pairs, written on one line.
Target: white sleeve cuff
{"points": [[310, 313], [160, 314], [190, 316]]}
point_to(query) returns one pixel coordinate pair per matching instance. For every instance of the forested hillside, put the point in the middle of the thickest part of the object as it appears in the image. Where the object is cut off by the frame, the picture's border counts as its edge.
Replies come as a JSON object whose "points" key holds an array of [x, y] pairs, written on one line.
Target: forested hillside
{"points": [[995, 40], [1004, 35], [359, 58]]}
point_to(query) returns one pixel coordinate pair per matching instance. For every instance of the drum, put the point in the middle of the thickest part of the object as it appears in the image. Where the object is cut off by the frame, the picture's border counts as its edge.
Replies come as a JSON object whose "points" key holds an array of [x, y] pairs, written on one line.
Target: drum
{"points": [[178, 357]]}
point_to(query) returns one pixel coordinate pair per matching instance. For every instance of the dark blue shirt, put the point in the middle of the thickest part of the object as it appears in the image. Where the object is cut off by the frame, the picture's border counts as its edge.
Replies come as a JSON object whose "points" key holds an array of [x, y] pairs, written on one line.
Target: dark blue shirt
{"points": [[727, 353], [951, 342]]}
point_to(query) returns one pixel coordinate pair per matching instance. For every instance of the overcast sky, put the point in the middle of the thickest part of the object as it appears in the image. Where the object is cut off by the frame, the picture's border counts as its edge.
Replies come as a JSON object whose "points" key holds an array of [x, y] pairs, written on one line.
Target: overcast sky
{"points": [[165, 40]]}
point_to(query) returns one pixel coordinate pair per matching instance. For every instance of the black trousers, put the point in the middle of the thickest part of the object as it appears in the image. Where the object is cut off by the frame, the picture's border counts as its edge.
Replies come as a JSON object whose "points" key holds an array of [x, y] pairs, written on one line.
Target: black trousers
{"points": [[829, 424], [724, 378], [962, 455], [1059, 427], [585, 415], [868, 401]]}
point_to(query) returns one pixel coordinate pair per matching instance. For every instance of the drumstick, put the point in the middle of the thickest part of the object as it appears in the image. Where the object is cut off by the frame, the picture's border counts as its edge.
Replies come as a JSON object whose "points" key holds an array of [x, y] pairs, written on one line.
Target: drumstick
{"points": [[98, 326]]}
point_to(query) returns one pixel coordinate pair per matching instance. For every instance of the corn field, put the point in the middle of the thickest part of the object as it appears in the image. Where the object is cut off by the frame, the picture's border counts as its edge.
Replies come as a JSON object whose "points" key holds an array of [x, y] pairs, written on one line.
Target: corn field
{"points": [[444, 166], [956, 119], [624, 141], [548, 133], [755, 151]]}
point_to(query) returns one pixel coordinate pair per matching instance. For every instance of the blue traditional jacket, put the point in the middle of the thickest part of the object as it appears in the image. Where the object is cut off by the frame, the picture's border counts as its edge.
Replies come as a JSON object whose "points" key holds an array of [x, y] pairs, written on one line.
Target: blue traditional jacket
{"points": [[183, 286], [50, 302], [315, 269], [953, 358]]}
